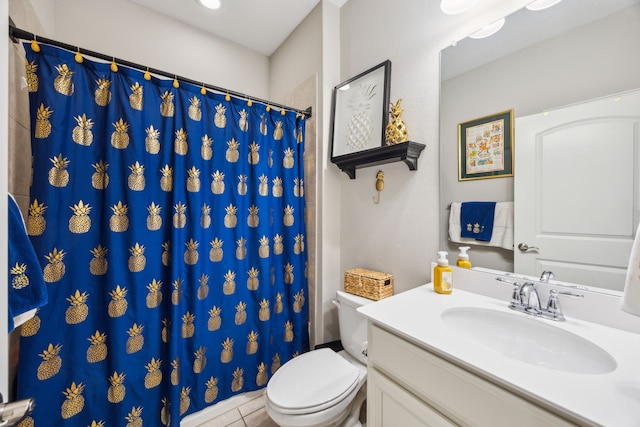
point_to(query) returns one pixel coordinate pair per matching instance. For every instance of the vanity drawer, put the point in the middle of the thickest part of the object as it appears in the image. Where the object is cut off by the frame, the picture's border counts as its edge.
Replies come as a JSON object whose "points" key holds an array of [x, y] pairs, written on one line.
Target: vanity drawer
{"points": [[458, 394]]}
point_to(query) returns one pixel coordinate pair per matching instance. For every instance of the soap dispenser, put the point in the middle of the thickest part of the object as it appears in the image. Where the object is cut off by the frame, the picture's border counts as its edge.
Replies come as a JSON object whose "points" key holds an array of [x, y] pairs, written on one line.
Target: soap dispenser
{"points": [[442, 275], [463, 257]]}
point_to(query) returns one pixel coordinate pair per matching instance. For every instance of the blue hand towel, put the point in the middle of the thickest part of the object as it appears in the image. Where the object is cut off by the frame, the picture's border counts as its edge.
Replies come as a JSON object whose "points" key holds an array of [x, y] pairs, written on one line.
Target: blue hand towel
{"points": [[476, 220], [27, 289]]}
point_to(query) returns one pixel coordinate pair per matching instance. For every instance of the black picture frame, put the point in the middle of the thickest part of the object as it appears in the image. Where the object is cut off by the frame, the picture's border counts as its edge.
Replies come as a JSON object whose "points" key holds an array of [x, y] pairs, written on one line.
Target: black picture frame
{"points": [[360, 112], [485, 147]]}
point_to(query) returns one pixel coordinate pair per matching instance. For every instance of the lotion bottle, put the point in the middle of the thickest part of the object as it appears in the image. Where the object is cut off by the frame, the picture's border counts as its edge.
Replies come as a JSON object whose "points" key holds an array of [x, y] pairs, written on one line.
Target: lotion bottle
{"points": [[463, 257], [442, 275]]}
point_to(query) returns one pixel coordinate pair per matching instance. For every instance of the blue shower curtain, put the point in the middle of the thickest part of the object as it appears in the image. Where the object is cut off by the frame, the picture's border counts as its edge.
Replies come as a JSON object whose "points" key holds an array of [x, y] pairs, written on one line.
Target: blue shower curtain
{"points": [[169, 224]]}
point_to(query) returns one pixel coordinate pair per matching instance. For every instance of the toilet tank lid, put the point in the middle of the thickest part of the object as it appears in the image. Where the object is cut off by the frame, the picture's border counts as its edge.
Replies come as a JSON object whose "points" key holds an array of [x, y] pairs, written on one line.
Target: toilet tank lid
{"points": [[352, 300], [312, 380]]}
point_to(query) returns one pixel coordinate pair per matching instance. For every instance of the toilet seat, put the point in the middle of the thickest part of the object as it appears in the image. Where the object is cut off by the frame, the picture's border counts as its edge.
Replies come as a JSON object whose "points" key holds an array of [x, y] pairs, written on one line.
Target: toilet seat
{"points": [[312, 382]]}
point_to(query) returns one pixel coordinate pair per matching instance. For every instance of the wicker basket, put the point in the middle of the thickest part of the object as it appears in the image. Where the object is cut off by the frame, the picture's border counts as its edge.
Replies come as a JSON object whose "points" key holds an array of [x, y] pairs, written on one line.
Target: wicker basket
{"points": [[368, 283]]}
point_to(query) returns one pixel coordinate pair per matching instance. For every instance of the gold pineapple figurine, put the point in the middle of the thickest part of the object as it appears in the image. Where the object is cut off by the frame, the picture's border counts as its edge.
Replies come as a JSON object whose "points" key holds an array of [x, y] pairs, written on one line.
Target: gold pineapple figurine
{"points": [[396, 131]]}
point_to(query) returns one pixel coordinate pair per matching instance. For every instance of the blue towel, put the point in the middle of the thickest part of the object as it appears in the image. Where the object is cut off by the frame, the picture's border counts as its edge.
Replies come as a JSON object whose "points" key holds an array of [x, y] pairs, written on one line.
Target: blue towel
{"points": [[476, 220], [27, 289]]}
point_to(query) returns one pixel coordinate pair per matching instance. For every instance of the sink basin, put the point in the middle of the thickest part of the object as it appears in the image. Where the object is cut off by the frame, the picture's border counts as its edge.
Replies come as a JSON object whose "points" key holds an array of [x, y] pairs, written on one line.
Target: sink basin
{"points": [[530, 340]]}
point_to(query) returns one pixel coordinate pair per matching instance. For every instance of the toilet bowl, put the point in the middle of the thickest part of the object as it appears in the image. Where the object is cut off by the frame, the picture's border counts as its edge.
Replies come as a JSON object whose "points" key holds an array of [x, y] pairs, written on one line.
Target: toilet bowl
{"points": [[322, 387]]}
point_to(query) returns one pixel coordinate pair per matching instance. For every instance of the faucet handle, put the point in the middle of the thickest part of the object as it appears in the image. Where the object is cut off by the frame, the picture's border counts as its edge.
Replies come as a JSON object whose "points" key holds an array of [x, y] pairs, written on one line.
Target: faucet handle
{"points": [[554, 310], [516, 301]]}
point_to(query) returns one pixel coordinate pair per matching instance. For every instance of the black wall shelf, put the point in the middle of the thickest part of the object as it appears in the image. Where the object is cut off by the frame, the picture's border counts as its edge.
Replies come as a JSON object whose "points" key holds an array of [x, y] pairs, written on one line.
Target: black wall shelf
{"points": [[408, 152]]}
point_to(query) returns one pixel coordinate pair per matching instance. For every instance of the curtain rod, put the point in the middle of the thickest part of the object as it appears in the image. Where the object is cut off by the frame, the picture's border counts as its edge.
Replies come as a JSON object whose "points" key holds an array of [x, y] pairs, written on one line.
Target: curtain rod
{"points": [[17, 33]]}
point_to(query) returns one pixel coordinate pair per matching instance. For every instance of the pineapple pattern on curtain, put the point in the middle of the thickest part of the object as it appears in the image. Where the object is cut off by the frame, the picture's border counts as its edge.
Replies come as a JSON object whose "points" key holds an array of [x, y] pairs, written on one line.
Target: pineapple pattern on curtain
{"points": [[169, 223]]}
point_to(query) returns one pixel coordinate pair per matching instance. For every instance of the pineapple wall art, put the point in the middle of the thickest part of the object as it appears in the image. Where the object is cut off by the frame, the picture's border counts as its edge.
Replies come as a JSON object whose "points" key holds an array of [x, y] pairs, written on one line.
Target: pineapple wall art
{"points": [[173, 273], [360, 111]]}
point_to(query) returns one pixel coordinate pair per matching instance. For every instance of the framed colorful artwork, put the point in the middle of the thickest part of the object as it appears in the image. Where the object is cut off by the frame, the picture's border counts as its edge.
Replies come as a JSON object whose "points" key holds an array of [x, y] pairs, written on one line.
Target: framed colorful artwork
{"points": [[485, 147]]}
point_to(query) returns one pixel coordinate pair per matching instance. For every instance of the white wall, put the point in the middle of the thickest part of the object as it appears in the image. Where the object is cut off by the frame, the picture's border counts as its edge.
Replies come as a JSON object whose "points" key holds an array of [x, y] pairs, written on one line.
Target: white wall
{"points": [[314, 49], [591, 61], [134, 33], [401, 234]]}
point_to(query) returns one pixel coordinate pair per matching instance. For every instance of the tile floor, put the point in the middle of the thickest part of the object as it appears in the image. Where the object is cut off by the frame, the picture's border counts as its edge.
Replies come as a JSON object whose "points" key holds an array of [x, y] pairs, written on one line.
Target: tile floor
{"points": [[249, 414]]}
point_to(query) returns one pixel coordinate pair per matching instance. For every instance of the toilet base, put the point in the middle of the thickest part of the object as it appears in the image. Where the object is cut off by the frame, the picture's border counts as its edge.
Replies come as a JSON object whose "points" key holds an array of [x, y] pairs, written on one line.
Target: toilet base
{"points": [[348, 417]]}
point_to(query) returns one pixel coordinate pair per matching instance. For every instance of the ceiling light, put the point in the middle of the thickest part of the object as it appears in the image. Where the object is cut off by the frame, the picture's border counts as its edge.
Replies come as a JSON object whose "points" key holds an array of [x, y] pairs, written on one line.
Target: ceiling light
{"points": [[211, 4], [453, 7], [542, 4], [489, 30]]}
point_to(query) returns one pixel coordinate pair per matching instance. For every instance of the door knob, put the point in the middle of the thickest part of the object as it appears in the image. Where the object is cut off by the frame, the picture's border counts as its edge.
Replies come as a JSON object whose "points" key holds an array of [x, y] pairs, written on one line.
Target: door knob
{"points": [[524, 247]]}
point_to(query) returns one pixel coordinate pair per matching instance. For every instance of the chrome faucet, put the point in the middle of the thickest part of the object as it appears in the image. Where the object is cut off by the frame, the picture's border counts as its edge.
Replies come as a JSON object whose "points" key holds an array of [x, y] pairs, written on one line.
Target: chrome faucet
{"points": [[546, 276], [529, 298], [525, 299]]}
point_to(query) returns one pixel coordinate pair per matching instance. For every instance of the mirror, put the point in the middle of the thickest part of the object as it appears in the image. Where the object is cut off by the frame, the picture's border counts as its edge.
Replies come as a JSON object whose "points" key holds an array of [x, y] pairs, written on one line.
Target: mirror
{"points": [[572, 52]]}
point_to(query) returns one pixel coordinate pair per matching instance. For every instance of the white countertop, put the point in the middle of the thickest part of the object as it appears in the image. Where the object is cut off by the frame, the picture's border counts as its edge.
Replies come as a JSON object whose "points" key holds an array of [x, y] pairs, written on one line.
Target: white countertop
{"points": [[611, 399]]}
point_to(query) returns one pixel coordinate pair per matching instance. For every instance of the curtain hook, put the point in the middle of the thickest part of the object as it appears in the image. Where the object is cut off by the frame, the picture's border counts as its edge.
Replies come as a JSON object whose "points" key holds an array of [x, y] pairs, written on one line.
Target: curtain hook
{"points": [[203, 90], [227, 97], [147, 75], [78, 57], [114, 66], [176, 84], [34, 44], [268, 108], [249, 102], [283, 112]]}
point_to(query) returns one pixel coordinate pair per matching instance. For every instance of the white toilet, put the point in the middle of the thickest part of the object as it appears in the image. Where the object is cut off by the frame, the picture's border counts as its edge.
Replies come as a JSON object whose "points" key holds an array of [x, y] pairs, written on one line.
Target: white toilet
{"points": [[322, 387]]}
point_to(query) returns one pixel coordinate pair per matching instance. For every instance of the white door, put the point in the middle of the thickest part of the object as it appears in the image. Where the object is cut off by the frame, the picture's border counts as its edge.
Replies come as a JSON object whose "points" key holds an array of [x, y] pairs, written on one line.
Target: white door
{"points": [[577, 190]]}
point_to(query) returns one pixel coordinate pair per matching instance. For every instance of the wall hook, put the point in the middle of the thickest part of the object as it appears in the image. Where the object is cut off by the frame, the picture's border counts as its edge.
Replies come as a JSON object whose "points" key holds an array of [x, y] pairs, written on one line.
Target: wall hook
{"points": [[379, 186]]}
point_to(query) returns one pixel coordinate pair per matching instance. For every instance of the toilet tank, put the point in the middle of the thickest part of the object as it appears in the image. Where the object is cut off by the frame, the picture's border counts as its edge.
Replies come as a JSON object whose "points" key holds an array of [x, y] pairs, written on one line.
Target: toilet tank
{"points": [[352, 324]]}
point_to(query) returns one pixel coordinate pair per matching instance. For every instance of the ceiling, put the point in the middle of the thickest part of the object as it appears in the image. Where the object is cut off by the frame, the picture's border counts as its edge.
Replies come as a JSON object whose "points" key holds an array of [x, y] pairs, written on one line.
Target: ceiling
{"points": [[525, 28], [259, 25]]}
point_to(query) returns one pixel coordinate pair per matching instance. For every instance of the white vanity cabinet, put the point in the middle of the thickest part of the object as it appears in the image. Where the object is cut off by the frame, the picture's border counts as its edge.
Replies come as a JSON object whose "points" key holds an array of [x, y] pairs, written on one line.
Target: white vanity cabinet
{"points": [[409, 386]]}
